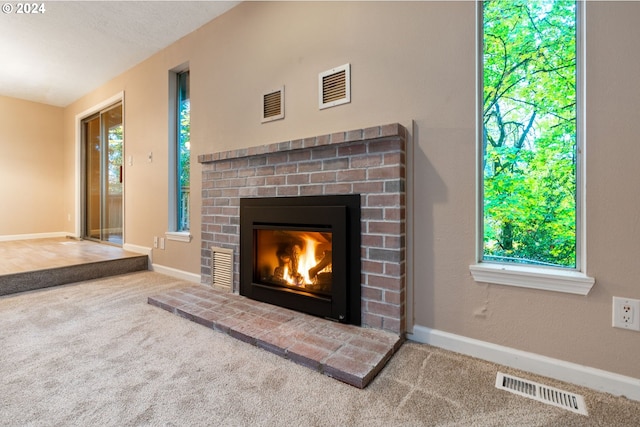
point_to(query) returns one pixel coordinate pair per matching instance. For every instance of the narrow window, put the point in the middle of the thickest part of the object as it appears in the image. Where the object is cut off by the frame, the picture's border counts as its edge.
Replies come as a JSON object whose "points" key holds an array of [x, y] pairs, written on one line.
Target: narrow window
{"points": [[183, 151], [529, 132]]}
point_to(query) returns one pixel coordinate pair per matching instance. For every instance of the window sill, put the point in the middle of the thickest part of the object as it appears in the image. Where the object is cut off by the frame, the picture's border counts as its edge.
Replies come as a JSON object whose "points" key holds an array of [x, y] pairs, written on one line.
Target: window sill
{"points": [[178, 236], [567, 281]]}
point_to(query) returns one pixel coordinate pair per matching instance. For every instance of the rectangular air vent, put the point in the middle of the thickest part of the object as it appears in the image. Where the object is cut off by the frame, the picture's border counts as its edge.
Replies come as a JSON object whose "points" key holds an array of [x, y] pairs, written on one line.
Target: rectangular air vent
{"points": [[335, 86], [273, 105], [222, 268], [542, 393]]}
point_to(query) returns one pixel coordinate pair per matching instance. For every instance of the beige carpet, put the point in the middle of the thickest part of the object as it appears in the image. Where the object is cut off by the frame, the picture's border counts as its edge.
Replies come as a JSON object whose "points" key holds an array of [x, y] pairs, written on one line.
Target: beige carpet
{"points": [[96, 354]]}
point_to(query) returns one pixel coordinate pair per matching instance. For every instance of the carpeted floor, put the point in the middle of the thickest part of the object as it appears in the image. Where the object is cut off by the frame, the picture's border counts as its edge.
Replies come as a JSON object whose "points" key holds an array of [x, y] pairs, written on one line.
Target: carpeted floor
{"points": [[95, 353]]}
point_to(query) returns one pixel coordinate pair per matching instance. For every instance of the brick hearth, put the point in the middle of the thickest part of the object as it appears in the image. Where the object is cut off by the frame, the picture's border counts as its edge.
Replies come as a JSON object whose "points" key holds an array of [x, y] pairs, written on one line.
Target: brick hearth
{"points": [[369, 162], [348, 353]]}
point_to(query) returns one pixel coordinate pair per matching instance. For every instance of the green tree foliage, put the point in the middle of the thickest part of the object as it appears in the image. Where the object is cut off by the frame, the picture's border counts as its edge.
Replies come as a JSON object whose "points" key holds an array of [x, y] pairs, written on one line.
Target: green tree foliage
{"points": [[184, 143], [529, 131], [184, 151], [115, 140]]}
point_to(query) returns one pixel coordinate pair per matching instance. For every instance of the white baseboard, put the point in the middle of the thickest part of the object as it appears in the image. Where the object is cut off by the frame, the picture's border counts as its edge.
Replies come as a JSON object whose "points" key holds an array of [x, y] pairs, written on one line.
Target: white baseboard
{"points": [[56, 234], [144, 250], [585, 376], [173, 272]]}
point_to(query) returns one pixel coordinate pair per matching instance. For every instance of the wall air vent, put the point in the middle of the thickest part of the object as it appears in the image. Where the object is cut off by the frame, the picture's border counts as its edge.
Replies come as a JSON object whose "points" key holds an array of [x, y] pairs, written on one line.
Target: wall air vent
{"points": [[222, 268], [542, 393], [273, 105], [335, 86]]}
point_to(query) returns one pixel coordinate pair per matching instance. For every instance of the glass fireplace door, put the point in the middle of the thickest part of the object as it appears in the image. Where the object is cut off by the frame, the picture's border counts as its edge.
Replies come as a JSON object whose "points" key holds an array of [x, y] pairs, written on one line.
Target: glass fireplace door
{"points": [[295, 259]]}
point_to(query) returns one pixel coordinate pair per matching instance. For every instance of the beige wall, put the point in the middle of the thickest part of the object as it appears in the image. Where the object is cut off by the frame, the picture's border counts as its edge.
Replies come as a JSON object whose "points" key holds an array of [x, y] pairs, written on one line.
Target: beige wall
{"points": [[31, 168], [410, 61]]}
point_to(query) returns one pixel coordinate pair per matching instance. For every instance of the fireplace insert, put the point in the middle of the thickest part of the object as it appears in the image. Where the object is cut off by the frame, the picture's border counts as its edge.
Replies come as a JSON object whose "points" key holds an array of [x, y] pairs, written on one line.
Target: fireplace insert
{"points": [[303, 253]]}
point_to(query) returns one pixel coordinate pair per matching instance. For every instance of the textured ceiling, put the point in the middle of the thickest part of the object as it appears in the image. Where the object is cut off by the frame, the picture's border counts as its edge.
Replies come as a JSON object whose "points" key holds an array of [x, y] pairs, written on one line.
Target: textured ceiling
{"points": [[73, 47]]}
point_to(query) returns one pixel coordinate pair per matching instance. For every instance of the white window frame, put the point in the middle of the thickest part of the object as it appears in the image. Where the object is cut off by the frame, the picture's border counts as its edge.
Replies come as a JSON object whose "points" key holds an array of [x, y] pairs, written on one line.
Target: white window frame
{"points": [[172, 233], [573, 281]]}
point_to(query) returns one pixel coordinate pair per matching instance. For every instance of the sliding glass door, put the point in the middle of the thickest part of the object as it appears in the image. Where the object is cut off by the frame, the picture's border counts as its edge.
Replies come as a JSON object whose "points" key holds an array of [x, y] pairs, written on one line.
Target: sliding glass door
{"points": [[103, 175]]}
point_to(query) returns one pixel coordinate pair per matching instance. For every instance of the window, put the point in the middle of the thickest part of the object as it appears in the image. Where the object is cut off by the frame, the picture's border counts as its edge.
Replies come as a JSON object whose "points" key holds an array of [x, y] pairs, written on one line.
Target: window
{"points": [[183, 154], [179, 155], [530, 136]]}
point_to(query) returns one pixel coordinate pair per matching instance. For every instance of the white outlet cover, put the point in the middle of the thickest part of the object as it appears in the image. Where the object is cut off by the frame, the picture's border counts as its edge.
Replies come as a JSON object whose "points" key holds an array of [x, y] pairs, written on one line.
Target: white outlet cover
{"points": [[619, 313]]}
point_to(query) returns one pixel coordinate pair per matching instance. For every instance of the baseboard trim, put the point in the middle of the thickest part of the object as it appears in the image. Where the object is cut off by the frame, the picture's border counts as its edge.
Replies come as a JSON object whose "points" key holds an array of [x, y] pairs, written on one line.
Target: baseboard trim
{"points": [[173, 272], [597, 379], [144, 250], [56, 234]]}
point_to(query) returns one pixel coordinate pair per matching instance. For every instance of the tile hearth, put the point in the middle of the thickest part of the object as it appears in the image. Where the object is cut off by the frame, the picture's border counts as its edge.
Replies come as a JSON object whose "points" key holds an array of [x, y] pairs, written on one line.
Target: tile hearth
{"points": [[348, 353]]}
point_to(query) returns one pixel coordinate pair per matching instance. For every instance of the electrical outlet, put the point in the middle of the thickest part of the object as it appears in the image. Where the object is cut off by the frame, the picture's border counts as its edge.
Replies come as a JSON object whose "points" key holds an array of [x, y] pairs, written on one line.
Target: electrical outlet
{"points": [[162, 243], [626, 313]]}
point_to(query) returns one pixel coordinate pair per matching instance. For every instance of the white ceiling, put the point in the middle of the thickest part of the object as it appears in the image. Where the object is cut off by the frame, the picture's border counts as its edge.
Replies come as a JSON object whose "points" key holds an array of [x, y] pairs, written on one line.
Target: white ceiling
{"points": [[73, 47]]}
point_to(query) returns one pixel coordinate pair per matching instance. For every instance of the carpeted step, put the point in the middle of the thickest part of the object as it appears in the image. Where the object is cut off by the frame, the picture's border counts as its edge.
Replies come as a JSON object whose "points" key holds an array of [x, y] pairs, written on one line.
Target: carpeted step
{"points": [[31, 280]]}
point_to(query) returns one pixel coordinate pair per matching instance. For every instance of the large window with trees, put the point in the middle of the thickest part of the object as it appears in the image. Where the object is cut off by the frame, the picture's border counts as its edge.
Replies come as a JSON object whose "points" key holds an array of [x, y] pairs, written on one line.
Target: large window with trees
{"points": [[530, 132], [179, 154], [183, 154], [531, 145]]}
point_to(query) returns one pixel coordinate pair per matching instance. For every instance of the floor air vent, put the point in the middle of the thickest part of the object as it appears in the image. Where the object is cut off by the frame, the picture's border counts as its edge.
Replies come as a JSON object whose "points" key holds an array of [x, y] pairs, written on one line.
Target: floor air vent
{"points": [[552, 396], [222, 267]]}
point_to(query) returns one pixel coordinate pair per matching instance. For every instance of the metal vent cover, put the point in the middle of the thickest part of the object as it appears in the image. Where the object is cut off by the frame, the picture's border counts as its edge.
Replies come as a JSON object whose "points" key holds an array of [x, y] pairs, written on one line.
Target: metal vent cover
{"points": [[222, 267], [542, 393], [273, 105], [335, 86]]}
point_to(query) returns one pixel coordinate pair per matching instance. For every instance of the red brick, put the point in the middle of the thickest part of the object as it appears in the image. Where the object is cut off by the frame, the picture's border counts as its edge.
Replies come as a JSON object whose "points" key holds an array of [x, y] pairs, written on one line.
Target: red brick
{"points": [[275, 159], [392, 297], [286, 169], [354, 135], [391, 130], [368, 187], [323, 177], [275, 180], [372, 320], [393, 159], [394, 325], [337, 189], [393, 144], [297, 179], [307, 355], [372, 132], [383, 309], [348, 370], [311, 190], [381, 227], [265, 170], [337, 137], [372, 267], [383, 282], [371, 294], [352, 150], [391, 200], [288, 190], [393, 269], [309, 142], [310, 166], [351, 175], [366, 161], [299, 156], [385, 172]]}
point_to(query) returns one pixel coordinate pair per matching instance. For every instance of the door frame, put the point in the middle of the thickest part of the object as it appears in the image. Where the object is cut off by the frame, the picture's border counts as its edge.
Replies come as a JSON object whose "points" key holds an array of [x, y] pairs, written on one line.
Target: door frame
{"points": [[78, 199]]}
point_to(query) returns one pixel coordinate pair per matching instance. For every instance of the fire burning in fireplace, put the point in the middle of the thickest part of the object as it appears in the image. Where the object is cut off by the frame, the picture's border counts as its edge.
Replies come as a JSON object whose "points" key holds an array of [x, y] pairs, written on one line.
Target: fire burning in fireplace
{"points": [[297, 259], [303, 253]]}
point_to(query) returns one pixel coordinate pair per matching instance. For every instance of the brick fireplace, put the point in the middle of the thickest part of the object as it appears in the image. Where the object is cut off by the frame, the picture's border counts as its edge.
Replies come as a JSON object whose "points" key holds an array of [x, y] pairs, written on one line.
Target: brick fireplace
{"points": [[368, 162]]}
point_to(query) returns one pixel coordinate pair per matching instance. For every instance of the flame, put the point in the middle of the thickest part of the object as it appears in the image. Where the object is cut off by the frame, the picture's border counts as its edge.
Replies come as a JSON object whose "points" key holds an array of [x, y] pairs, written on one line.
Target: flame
{"points": [[306, 260]]}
